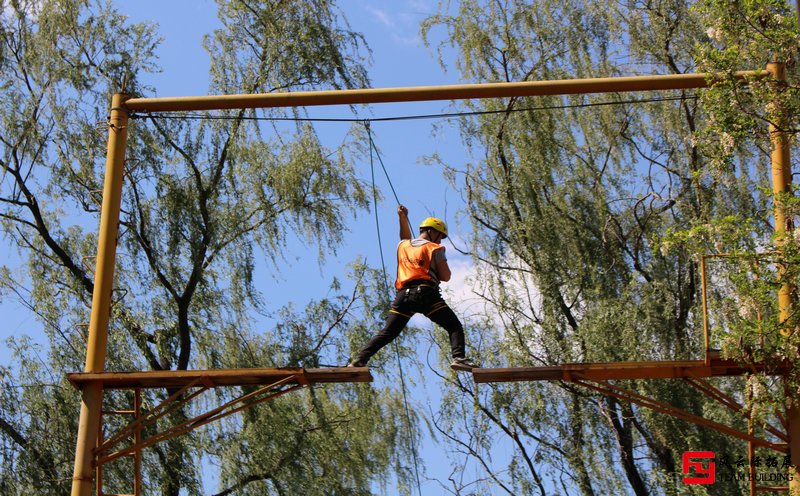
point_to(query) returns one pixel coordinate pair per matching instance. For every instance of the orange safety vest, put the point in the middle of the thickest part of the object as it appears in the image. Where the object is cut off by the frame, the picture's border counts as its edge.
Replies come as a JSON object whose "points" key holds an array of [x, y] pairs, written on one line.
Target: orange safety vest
{"points": [[414, 262]]}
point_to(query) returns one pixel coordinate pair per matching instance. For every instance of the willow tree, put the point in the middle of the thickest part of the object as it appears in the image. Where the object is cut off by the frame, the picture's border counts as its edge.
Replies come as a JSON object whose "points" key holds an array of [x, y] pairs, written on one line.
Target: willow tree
{"points": [[581, 207], [206, 202]]}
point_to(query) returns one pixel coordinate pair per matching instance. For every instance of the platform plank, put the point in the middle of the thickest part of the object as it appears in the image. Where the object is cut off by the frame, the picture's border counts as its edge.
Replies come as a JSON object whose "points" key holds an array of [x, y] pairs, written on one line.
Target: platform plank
{"points": [[218, 377], [622, 370]]}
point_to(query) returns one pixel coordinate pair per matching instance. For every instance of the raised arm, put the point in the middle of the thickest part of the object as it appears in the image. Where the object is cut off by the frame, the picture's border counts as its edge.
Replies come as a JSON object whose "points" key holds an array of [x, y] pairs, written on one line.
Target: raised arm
{"points": [[405, 227]]}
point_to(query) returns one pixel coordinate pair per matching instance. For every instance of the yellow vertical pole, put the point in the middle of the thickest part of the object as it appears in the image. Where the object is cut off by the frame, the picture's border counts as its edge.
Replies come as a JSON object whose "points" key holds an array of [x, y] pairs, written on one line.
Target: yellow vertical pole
{"points": [[781, 181], [98, 477], [137, 441], [751, 449], [781, 184], [92, 395], [704, 288]]}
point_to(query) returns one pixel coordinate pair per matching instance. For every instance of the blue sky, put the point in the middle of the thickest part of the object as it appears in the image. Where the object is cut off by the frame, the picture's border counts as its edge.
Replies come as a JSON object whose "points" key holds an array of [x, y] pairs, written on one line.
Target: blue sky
{"points": [[391, 29], [399, 59]]}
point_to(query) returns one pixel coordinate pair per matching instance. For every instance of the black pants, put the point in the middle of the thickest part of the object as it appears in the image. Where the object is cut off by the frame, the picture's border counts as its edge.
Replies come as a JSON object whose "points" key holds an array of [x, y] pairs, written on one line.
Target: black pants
{"points": [[423, 299]]}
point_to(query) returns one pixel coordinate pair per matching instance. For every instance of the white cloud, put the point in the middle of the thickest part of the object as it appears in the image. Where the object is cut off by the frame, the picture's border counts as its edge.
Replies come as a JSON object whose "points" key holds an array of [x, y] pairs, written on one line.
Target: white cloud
{"points": [[381, 16], [461, 290], [470, 295], [401, 26]]}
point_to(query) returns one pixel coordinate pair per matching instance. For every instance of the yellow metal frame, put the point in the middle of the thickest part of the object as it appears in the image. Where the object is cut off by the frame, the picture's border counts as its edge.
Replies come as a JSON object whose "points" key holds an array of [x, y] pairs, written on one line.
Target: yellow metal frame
{"points": [[596, 376], [185, 386], [136, 454], [430, 93], [105, 451], [122, 105]]}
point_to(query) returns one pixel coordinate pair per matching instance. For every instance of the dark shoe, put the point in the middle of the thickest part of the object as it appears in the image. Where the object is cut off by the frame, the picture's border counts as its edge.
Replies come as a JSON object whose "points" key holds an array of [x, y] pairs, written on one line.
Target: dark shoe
{"points": [[356, 363], [463, 363]]}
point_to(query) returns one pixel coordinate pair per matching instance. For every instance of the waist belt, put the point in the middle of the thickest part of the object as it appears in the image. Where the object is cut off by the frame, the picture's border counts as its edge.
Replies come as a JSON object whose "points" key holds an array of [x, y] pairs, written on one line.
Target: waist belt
{"points": [[417, 282]]}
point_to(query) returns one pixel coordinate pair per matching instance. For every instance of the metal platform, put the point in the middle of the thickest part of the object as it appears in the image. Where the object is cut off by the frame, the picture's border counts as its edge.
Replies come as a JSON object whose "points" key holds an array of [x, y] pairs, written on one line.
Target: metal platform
{"points": [[666, 369], [219, 377], [183, 387], [597, 377]]}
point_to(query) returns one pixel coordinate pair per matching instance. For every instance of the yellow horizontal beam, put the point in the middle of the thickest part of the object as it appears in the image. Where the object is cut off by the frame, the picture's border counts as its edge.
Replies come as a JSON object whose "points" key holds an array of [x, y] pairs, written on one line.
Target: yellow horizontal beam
{"points": [[218, 377], [429, 93], [623, 370]]}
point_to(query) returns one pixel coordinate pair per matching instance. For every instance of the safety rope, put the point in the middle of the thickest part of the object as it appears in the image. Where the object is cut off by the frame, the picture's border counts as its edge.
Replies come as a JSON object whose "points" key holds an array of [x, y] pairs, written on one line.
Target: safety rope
{"points": [[386, 283], [385, 173]]}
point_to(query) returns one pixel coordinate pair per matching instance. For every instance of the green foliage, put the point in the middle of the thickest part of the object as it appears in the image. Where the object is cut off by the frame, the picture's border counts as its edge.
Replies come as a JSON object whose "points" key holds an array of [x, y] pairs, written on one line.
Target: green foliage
{"points": [[589, 221], [37, 438], [741, 34], [204, 202]]}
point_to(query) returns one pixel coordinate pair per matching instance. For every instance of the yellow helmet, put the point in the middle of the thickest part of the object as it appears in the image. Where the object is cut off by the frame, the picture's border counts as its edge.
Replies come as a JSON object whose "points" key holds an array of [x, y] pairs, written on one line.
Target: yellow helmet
{"points": [[434, 223]]}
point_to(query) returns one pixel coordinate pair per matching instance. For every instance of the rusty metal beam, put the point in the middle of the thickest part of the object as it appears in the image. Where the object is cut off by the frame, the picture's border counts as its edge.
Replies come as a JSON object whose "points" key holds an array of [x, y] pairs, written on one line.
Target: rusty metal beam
{"points": [[220, 377], [430, 93], [663, 369]]}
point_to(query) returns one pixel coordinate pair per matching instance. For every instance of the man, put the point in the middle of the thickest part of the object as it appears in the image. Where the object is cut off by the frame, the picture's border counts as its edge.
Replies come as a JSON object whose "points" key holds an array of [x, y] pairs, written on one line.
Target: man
{"points": [[421, 265]]}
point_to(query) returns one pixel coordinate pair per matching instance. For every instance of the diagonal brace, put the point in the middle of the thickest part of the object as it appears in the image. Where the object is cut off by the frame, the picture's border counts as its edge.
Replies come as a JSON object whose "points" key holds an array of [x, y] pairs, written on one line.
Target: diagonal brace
{"points": [[258, 396], [164, 408], [733, 405], [605, 387]]}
